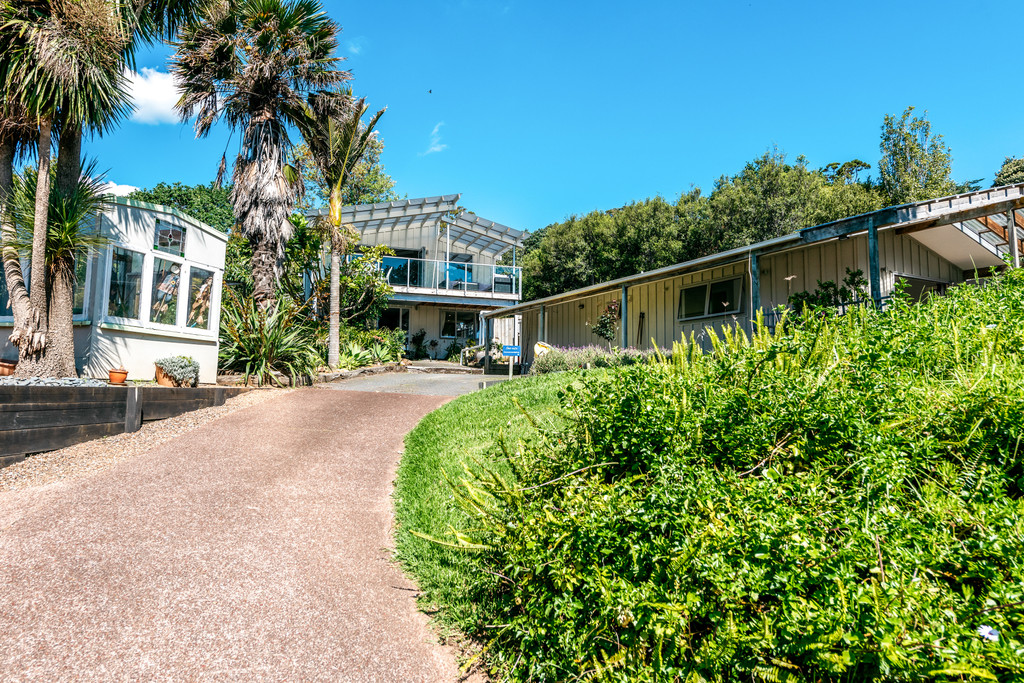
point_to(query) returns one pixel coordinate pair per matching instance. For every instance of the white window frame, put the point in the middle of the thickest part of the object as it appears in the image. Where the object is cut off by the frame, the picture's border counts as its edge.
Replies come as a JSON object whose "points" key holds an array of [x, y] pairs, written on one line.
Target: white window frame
{"points": [[680, 317], [143, 289], [184, 268]]}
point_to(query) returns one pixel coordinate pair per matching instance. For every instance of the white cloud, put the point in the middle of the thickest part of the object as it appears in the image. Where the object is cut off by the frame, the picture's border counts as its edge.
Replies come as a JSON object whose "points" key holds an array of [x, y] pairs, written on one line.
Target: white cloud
{"points": [[154, 95], [356, 45], [117, 190], [435, 140]]}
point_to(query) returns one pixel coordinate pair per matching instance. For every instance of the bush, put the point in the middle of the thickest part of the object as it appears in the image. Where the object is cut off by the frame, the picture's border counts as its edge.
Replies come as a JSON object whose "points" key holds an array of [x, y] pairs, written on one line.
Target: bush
{"points": [[838, 500], [183, 370], [561, 359], [259, 343]]}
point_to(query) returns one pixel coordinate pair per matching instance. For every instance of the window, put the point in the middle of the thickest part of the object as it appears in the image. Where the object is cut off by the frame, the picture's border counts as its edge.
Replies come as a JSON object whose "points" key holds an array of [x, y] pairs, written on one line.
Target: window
{"points": [[166, 282], [125, 283], [170, 238], [717, 298], [200, 288], [81, 266], [5, 297], [458, 324]]}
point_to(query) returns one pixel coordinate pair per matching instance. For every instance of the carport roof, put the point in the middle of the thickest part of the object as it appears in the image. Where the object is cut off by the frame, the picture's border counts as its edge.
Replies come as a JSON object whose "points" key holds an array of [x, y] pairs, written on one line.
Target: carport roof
{"points": [[465, 229]]}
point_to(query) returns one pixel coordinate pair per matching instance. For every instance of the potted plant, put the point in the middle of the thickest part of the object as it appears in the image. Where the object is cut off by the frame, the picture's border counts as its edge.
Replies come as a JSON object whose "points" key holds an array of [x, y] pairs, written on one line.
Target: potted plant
{"points": [[117, 375], [177, 371], [7, 367]]}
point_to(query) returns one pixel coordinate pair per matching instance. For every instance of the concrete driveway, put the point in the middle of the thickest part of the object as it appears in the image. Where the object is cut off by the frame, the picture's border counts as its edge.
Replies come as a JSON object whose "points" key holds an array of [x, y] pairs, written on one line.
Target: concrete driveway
{"points": [[253, 548], [418, 383]]}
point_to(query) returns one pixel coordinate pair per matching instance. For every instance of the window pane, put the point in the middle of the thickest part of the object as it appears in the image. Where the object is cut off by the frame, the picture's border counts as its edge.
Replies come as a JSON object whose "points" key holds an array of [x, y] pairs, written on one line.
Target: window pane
{"points": [[448, 324], [170, 238], [125, 284], [81, 263], [5, 299], [466, 325], [725, 297], [200, 287], [166, 279], [692, 301]]}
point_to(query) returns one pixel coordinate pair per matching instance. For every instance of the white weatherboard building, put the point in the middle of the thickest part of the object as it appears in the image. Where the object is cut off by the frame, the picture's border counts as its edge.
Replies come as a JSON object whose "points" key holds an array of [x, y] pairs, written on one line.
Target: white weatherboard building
{"points": [[153, 291]]}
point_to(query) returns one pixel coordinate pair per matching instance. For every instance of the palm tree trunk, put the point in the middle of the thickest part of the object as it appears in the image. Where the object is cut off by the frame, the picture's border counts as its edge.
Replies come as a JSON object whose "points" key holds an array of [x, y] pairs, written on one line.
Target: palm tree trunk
{"points": [[37, 283], [69, 158], [16, 289], [264, 267], [334, 322], [60, 344], [32, 340]]}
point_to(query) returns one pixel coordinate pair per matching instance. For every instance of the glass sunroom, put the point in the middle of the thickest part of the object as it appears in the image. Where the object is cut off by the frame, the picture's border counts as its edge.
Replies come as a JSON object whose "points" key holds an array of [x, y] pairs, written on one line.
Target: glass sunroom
{"points": [[152, 291]]}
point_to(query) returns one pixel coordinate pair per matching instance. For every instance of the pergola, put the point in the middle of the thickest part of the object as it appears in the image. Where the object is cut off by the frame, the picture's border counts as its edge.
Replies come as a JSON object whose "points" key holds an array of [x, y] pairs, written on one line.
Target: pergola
{"points": [[460, 228]]}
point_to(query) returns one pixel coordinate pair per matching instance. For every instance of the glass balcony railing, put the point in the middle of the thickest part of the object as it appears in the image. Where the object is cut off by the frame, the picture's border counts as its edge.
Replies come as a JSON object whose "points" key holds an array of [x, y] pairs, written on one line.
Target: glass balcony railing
{"points": [[453, 276]]}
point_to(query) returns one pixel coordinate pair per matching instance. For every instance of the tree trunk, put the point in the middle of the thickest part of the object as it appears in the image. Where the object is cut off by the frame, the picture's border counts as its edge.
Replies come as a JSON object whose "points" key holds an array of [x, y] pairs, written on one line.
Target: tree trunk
{"points": [[17, 292], [334, 323], [37, 283], [69, 158], [60, 344], [264, 267], [32, 339]]}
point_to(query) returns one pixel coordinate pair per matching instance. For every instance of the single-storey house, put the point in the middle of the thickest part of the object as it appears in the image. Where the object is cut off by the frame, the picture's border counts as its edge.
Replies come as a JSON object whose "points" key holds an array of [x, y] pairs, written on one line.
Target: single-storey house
{"points": [[926, 245], [152, 291]]}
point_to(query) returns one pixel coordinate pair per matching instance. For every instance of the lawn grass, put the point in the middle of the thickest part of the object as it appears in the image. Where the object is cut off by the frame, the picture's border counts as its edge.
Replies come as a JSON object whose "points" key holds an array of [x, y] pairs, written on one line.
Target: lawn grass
{"points": [[459, 432]]}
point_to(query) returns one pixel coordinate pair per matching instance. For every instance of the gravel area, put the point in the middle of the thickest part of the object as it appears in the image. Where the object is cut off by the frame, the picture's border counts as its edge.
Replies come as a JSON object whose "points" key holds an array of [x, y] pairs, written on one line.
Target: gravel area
{"points": [[51, 382], [96, 455]]}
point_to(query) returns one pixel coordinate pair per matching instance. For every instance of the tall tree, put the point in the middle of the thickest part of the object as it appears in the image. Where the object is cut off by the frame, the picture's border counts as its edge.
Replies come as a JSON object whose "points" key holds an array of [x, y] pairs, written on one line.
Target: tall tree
{"points": [[207, 203], [260, 66], [62, 67], [336, 147], [915, 164], [1010, 173]]}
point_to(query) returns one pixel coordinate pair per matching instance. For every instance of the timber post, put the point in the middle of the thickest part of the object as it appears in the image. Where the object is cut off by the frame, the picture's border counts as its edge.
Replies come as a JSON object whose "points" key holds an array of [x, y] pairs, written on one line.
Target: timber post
{"points": [[1013, 237], [624, 316], [874, 270]]}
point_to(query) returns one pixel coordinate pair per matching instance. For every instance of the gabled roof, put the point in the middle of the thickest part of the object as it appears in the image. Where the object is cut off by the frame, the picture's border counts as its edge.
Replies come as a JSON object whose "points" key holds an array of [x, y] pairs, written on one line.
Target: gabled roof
{"points": [[466, 229]]}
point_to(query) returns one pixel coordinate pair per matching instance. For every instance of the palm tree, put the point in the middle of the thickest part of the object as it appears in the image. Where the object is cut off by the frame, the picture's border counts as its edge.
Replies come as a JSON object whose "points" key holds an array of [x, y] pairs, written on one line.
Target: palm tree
{"points": [[62, 68], [260, 66], [70, 237], [60, 62], [336, 146]]}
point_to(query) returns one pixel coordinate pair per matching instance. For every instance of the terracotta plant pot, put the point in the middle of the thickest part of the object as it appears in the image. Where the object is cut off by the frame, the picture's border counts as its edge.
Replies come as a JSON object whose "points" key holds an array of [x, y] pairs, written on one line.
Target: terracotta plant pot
{"points": [[117, 376], [7, 367], [163, 379]]}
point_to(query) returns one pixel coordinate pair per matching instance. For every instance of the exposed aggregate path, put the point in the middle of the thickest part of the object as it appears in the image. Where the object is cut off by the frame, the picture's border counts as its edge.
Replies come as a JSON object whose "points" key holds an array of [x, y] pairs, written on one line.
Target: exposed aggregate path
{"points": [[254, 547]]}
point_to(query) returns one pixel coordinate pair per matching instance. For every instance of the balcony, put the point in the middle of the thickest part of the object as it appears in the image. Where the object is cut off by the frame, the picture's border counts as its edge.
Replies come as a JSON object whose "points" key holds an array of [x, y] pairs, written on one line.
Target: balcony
{"points": [[468, 280]]}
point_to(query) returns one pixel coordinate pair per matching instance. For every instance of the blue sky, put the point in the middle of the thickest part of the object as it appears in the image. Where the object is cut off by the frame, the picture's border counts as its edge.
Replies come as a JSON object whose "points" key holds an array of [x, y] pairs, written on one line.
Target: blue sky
{"points": [[540, 110]]}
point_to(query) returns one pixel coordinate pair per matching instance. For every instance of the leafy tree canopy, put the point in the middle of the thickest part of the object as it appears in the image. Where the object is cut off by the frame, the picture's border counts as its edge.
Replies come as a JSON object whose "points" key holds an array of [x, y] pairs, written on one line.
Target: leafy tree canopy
{"points": [[1010, 173], [207, 203]]}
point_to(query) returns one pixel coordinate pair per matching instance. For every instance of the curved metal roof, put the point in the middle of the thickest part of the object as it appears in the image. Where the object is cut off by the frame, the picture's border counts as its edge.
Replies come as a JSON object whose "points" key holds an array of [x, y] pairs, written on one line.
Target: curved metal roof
{"points": [[465, 229]]}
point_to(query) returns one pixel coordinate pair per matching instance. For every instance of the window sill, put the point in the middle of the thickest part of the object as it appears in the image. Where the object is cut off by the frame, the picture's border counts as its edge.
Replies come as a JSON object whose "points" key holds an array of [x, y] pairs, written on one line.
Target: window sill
{"points": [[708, 317], [149, 331]]}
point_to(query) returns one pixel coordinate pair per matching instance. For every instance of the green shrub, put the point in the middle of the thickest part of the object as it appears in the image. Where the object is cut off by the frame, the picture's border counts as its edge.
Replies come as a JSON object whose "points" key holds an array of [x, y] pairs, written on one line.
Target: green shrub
{"points": [[838, 500], [183, 370], [561, 359], [354, 356], [259, 343]]}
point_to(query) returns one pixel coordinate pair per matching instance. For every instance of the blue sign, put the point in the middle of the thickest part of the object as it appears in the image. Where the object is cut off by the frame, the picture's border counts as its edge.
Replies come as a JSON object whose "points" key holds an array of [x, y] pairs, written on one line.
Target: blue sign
{"points": [[511, 351]]}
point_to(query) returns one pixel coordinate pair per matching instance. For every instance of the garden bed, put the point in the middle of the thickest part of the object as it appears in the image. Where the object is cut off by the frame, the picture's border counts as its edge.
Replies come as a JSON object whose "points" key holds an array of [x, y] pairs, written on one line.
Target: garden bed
{"points": [[43, 418]]}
